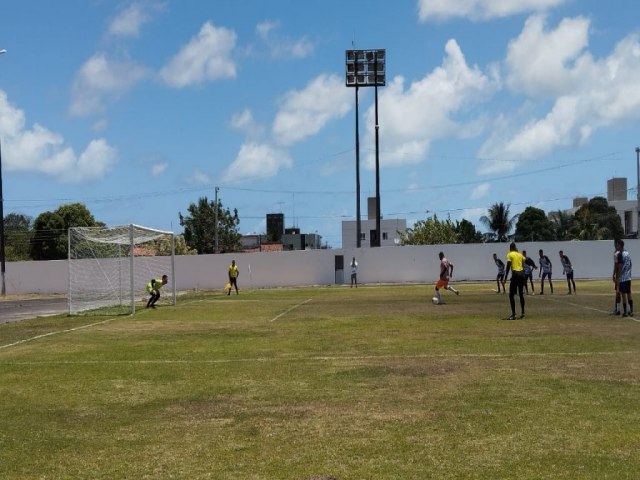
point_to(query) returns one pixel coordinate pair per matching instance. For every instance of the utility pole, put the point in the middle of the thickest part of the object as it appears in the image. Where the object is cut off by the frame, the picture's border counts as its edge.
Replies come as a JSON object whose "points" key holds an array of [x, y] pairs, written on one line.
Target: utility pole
{"points": [[638, 192], [215, 219]]}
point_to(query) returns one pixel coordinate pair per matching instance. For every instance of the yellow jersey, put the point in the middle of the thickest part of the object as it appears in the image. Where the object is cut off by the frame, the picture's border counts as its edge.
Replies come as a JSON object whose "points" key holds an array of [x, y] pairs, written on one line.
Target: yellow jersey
{"points": [[517, 261], [233, 271]]}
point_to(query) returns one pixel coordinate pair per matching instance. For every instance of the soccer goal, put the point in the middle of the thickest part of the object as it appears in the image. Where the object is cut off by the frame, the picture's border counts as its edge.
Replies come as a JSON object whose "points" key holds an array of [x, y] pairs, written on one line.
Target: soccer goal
{"points": [[109, 267]]}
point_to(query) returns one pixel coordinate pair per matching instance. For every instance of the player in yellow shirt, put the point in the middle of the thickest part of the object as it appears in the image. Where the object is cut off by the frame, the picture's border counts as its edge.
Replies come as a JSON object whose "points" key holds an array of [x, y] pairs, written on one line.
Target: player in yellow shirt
{"points": [[515, 263], [233, 276], [153, 289]]}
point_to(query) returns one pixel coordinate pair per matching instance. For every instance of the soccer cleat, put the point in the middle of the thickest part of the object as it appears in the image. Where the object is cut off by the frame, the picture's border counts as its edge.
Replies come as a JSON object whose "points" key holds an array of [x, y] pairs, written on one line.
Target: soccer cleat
{"points": [[615, 313], [512, 317], [521, 316], [624, 315], [457, 292]]}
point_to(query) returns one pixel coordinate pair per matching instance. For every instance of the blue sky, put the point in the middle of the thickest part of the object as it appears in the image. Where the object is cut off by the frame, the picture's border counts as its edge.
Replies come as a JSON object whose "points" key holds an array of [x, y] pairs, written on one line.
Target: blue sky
{"points": [[138, 108]]}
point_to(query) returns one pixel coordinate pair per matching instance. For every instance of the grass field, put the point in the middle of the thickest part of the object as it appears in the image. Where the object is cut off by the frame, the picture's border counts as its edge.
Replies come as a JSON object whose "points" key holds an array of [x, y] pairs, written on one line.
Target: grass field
{"points": [[321, 383]]}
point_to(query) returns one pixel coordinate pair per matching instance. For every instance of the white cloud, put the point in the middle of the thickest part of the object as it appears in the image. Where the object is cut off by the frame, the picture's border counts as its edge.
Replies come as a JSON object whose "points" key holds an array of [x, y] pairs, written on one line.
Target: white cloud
{"points": [[40, 150], [480, 191], [283, 47], [199, 178], [159, 168], [94, 162], [410, 119], [101, 79], [129, 20], [480, 9], [541, 62], [264, 29], [255, 161], [604, 93], [206, 57], [245, 122], [304, 113]]}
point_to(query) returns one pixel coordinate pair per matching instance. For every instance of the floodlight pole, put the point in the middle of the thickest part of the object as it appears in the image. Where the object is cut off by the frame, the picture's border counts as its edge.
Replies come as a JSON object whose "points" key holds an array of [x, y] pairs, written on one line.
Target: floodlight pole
{"points": [[638, 192], [2, 239], [378, 233], [362, 71], [358, 221]]}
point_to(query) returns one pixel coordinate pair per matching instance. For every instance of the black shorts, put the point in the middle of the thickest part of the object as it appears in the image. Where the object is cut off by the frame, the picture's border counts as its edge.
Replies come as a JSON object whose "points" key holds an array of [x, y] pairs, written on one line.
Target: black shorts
{"points": [[625, 287]]}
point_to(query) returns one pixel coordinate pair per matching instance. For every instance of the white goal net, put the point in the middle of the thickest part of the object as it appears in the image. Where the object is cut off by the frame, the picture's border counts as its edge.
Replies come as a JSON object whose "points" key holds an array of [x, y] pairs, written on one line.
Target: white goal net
{"points": [[109, 267]]}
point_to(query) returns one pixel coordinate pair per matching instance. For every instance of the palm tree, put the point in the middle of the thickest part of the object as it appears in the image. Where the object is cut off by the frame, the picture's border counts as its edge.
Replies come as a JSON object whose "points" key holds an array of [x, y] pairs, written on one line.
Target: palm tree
{"points": [[563, 223], [499, 222]]}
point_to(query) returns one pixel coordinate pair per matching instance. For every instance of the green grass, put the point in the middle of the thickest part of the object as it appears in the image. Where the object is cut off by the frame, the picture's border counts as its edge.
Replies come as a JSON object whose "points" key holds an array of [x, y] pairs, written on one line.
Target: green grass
{"points": [[367, 383]]}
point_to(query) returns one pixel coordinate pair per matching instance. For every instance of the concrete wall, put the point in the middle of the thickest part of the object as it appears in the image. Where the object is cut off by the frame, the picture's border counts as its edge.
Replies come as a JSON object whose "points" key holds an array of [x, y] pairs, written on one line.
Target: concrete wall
{"points": [[414, 264]]}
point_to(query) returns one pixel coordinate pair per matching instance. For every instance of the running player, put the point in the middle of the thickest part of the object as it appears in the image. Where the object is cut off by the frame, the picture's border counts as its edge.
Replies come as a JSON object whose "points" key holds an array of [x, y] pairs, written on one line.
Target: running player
{"points": [[446, 272]]}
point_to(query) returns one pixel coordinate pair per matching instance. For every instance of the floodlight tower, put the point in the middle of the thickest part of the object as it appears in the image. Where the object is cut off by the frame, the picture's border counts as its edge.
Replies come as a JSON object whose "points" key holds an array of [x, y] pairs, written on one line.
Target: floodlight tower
{"points": [[2, 258], [366, 68]]}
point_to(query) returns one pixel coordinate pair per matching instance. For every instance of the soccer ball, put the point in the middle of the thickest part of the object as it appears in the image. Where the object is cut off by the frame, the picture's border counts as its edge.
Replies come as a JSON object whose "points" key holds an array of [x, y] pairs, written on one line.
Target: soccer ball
{"points": [[435, 300]]}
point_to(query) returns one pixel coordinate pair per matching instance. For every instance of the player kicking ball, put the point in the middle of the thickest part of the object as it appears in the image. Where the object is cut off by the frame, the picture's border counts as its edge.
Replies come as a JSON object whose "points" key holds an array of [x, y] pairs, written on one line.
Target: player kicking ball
{"points": [[446, 272]]}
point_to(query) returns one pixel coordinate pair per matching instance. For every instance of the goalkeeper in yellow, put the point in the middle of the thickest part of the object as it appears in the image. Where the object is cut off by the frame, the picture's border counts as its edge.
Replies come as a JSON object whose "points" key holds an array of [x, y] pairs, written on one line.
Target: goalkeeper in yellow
{"points": [[153, 289]]}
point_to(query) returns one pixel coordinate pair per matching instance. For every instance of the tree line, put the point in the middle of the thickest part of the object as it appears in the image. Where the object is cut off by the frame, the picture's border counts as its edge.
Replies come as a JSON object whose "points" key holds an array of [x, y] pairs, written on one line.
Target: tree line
{"points": [[46, 237], [595, 220]]}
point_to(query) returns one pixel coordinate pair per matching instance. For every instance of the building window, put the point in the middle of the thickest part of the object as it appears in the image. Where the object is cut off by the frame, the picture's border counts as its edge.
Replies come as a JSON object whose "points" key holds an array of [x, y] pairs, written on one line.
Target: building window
{"points": [[384, 236], [363, 236]]}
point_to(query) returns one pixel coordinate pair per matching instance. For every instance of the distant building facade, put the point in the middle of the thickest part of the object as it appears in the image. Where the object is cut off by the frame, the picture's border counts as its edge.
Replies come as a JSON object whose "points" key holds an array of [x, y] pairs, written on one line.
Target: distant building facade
{"points": [[390, 230], [280, 239]]}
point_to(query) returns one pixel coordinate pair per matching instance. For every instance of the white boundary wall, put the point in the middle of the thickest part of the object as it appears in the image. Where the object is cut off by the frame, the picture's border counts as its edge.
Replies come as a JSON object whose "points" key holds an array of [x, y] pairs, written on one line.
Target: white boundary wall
{"points": [[410, 264]]}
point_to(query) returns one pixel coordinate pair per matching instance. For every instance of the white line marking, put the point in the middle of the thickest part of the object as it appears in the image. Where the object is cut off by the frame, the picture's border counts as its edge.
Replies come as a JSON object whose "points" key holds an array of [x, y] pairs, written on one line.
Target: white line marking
{"points": [[590, 308], [288, 310], [37, 337]]}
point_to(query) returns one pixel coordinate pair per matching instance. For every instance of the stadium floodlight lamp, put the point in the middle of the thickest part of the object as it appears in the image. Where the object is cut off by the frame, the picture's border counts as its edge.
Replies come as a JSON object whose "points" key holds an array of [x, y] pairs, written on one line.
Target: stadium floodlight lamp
{"points": [[366, 68]]}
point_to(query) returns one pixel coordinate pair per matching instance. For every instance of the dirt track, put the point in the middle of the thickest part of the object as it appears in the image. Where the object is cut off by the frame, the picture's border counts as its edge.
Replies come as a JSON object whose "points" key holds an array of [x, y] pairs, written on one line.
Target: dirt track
{"points": [[15, 308]]}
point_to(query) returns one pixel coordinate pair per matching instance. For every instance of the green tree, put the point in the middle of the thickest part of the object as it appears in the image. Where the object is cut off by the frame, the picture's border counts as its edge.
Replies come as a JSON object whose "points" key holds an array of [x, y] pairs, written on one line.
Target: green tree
{"points": [[17, 236], [467, 233], [596, 220], [50, 230], [199, 227], [563, 223], [430, 232], [499, 221], [533, 225]]}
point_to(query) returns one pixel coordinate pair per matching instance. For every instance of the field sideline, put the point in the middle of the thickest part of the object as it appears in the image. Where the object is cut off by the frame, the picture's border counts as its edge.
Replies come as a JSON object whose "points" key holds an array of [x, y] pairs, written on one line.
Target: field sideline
{"points": [[327, 382]]}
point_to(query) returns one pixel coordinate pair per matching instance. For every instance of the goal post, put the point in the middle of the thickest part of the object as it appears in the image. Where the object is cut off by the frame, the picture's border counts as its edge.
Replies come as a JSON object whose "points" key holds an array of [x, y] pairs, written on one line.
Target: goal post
{"points": [[110, 267]]}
